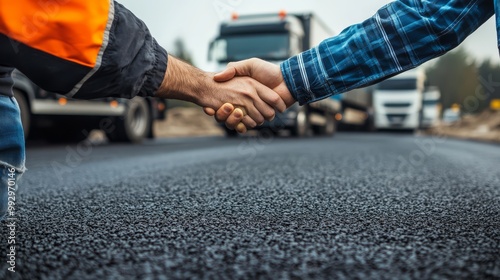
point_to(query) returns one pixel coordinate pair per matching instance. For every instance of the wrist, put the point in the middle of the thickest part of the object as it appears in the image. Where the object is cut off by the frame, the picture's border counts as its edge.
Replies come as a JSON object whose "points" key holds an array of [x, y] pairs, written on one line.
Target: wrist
{"points": [[284, 92], [184, 82], [287, 84]]}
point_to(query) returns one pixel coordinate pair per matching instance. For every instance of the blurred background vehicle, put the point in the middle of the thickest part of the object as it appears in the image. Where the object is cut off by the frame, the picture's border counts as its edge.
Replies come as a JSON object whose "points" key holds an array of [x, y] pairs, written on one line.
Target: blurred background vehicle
{"points": [[451, 115], [58, 119], [357, 111], [431, 108], [398, 101]]}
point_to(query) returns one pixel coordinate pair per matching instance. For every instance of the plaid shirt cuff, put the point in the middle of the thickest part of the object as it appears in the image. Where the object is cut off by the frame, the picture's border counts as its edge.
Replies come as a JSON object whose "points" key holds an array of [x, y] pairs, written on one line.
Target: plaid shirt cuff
{"points": [[306, 78]]}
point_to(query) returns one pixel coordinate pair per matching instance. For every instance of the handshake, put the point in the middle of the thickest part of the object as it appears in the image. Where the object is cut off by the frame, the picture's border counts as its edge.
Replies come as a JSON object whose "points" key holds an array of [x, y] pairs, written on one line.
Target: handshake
{"points": [[243, 96]]}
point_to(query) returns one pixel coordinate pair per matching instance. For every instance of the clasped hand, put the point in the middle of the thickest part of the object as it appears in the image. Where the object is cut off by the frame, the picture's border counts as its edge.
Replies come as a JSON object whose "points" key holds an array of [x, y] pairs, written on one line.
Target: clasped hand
{"points": [[269, 86]]}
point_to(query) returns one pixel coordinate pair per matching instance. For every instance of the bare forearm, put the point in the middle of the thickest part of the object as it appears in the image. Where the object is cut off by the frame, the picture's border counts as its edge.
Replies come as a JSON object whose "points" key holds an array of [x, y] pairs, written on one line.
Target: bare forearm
{"points": [[184, 82]]}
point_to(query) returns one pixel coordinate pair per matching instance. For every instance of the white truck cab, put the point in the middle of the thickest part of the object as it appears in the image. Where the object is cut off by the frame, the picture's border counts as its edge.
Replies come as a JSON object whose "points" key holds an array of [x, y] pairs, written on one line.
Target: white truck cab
{"points": [[397, 101]]}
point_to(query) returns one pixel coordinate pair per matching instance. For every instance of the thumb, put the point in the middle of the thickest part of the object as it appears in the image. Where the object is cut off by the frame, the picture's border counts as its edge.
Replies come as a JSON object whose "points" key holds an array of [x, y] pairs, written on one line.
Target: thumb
{"points": [[209, 111], [225, 75]]}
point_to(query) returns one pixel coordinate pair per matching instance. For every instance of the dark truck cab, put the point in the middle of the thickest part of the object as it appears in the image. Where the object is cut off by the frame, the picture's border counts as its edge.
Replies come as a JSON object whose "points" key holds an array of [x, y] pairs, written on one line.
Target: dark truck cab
{"points": [[276, 37]]}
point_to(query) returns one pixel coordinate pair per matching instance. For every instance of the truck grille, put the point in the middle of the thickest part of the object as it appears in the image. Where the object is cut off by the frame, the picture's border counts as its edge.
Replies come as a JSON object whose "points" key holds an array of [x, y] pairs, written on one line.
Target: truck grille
{"points": [[396, 118], [397, 105]]}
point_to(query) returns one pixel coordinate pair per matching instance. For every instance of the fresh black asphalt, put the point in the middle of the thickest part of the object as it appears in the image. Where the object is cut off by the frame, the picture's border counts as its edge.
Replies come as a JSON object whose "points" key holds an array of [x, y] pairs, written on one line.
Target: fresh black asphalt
{"points": [[356, 206]]}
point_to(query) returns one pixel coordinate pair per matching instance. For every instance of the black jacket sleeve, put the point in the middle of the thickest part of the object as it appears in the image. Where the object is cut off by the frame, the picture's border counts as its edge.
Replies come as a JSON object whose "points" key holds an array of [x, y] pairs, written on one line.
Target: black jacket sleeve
{"points": [[132, 64]]}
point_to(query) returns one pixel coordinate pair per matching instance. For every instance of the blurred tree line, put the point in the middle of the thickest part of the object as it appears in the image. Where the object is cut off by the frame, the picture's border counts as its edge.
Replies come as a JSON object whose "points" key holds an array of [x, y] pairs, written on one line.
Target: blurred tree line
{"points": [[464, 81], [180, 51]]}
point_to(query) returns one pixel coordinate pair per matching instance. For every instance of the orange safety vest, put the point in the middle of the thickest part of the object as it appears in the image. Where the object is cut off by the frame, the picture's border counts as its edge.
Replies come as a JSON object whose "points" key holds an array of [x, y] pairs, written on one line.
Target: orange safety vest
{"points": [[71, 30]]}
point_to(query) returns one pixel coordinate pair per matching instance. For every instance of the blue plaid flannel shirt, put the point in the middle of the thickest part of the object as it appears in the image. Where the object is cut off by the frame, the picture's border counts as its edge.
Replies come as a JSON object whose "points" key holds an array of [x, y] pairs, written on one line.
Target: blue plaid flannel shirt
{"points": [[400, 36]]}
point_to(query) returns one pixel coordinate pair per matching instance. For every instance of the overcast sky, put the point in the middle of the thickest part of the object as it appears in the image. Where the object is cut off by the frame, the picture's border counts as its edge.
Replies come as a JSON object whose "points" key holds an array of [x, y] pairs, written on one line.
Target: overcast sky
{"points": [[197, 21]]}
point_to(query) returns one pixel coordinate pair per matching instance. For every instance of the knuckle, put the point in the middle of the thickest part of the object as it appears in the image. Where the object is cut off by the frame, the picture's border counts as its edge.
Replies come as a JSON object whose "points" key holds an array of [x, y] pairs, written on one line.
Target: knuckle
{"points": [[276, 99], [269, 115], [246, 121], [247, 94]]}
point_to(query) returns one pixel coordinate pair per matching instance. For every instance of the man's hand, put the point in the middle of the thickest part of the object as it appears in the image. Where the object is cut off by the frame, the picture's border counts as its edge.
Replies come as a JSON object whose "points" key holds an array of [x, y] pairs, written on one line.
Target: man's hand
{"points": [[231, 116], [264, 72], [185, 82]]}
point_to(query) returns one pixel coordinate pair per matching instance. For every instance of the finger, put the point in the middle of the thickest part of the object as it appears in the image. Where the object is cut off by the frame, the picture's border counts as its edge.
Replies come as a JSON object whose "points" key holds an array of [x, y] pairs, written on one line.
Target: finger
{"points": [[224, 112], [209, 111], [248, 122], [264, 108], [242, 109], [241, 128], [240, 68], [270, 97], [225, 75], [234, 119], [255, 113], [243, 67]]}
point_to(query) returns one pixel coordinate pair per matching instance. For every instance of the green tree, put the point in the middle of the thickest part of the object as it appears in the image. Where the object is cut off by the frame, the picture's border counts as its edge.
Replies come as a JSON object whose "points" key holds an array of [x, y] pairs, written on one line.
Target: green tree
{"points": [[456, 76], [489, 72]]}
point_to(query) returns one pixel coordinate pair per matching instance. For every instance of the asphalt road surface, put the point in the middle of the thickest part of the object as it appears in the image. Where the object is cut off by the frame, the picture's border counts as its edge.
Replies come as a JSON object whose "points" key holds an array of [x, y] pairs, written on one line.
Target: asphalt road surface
{"points": [[365, 206]]}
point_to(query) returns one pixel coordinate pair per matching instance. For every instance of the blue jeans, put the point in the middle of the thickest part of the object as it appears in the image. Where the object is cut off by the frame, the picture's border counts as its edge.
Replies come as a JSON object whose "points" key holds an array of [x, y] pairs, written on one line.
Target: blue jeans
{"points": [[12, 153]]}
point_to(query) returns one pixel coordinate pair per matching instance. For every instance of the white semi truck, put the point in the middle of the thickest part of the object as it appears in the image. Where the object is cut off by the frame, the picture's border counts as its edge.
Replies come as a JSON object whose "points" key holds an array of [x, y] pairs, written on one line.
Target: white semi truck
{"points": [[276, 37], [397, 101]]}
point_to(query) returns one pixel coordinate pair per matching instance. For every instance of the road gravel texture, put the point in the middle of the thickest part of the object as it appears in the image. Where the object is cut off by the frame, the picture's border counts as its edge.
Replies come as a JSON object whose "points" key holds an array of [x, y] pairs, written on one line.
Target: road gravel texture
{"points": [[356, 206]]}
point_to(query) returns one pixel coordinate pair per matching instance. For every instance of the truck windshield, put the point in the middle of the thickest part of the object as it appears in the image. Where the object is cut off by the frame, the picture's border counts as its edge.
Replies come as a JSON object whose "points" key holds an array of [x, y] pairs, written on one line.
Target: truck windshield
{"points": [[263, 46], [398, 84]]}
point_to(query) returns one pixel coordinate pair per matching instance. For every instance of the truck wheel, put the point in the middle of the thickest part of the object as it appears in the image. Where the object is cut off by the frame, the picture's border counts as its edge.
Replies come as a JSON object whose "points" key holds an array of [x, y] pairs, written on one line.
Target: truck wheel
{"points": [[369, 125], [135, 123], [302, 126], [25, 112]]}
